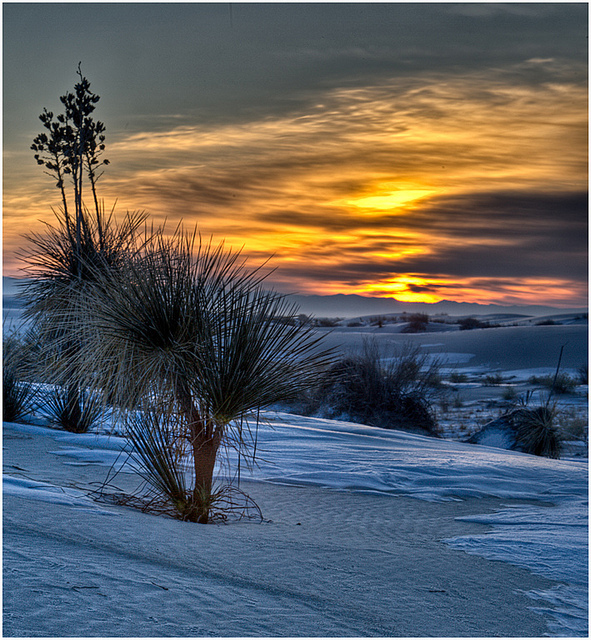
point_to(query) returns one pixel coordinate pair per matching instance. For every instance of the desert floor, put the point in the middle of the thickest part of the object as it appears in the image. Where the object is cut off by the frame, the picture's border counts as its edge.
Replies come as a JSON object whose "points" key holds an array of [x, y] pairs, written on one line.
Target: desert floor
{"points": [[322, 563]]}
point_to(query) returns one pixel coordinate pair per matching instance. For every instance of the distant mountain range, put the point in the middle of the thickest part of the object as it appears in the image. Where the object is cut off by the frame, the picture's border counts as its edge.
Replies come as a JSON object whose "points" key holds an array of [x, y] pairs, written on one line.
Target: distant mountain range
{"points": [[353, 306]]}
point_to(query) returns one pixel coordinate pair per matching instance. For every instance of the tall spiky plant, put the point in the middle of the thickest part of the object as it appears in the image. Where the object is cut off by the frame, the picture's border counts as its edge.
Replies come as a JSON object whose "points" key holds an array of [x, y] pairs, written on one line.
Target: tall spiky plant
{"points": [[59, 268], [186, 325], [62, 261]]}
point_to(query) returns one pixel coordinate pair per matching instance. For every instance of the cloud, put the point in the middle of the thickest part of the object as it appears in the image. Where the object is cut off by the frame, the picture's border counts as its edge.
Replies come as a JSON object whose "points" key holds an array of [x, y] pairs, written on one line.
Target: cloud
{"points": [[428, 183]]}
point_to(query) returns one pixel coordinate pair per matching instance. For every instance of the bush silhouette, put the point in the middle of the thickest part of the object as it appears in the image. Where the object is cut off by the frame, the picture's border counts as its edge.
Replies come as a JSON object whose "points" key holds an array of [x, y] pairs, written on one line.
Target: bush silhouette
{"points": [[392, 393]]}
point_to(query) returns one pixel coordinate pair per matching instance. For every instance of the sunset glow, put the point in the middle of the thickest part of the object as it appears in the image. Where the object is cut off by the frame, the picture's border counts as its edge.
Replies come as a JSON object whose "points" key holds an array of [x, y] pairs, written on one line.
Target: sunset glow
{"points": [[466, 185], [386, 200]]}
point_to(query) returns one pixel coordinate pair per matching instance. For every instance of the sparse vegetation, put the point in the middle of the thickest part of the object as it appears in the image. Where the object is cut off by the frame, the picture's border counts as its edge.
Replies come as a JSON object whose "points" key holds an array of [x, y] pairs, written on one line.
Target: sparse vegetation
{"points": [[467, 324], [189, 347], [562, 383], [18, 397], [71, 409], [417, 323], [458, 378], [394, 392]]}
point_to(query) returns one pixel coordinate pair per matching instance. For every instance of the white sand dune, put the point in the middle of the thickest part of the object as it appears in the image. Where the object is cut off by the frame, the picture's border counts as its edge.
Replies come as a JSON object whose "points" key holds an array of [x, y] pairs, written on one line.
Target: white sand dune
{"points": [[502, 348], [325, 562], [495, 546]]}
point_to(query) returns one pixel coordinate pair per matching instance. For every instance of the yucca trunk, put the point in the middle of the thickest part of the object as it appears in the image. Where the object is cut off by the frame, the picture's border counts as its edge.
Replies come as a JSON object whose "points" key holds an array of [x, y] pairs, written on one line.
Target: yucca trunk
{"points": [[204, 449], [205, 442]]}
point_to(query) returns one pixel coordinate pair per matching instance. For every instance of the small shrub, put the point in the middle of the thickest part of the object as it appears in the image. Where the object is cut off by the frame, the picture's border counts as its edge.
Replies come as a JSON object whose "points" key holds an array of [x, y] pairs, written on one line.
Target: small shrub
{"points": [[378, 321], [509, 394], [467, 324], [573, 425], [546, 323], [73, 409], [583, 373], [561, 384], [326, 322], [18, 397], [396, 394], [494, 379], [536, 433], [417, 323], [304, 319], [456, 377]]}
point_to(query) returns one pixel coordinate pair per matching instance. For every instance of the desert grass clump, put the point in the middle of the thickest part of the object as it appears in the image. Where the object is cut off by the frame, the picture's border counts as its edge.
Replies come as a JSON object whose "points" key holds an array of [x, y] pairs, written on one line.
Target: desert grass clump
{"points": [[536, 432], [18, 395], [184, 326], [393, 392], [527, 429], [561, 383], [73, 409]]}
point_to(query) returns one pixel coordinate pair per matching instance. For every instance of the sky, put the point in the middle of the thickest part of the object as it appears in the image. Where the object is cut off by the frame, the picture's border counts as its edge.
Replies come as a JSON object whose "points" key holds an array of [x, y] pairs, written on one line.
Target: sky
{"points": [[420, 151]]}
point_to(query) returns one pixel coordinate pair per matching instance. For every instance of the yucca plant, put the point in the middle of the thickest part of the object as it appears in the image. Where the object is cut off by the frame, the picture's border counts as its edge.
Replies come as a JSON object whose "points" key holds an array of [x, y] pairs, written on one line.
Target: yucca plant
{"points": [[73, 409], [18, 396], [60, 264], [187, 326], [67, 256], [536, 432]]}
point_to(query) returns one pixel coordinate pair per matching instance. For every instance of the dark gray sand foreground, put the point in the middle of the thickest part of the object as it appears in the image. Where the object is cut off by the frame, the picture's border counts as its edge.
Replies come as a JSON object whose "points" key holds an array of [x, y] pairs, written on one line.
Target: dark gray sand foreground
{"points": [[325, 563]]}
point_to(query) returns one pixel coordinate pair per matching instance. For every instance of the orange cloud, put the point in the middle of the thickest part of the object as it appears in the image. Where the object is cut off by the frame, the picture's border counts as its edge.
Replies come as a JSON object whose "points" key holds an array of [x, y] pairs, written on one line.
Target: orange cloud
{"points": [[366, 188]]}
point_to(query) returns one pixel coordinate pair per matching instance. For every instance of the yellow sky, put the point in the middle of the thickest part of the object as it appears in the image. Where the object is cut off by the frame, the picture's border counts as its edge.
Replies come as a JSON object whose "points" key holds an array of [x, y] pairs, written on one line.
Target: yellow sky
{"points": [[417, 190]]}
